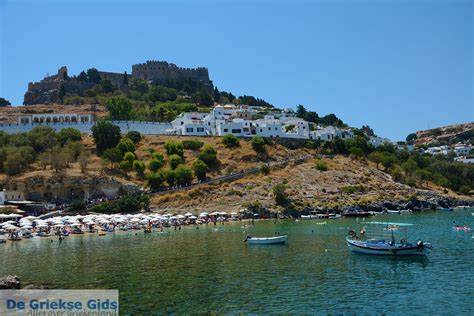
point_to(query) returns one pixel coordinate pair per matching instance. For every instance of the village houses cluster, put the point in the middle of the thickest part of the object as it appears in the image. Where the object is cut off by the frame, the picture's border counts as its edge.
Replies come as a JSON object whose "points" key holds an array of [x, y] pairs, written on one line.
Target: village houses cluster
{"points": [[238, 120]]}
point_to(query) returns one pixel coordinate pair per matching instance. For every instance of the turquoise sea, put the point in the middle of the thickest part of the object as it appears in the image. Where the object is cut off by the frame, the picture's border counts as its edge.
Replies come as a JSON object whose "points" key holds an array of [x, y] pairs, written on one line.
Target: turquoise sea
{"points": [[211, 270]]}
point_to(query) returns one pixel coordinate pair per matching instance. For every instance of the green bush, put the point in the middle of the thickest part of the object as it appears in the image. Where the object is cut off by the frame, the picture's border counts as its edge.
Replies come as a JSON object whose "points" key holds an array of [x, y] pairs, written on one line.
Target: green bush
{"points": [[184, 175], [258, 144], [321, 166], [135, 136], [192, 144], [155, 179], [200, 169], [265, 169], [139, 167], [173, 147], [175, 161], [209, 156], [230, 141], [126, 145]]}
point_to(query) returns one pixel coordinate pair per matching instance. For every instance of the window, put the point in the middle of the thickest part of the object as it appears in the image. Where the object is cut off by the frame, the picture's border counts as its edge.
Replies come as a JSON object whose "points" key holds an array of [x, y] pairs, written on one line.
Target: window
{"points": [[276, 128], [189, 129], [209, 123], [226, 130], [261, 130], [236, 131], [200, 129], [182, 122], [269, 128]]}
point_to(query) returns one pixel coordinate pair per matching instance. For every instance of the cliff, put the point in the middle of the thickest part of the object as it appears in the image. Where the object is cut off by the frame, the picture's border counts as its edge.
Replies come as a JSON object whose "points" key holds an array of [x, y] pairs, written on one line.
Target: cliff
{"points": [[448, 135]]}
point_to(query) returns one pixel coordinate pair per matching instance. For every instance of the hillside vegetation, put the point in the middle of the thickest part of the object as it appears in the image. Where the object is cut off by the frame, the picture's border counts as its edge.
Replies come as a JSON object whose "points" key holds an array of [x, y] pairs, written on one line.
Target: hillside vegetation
{"points": [[357, 173]]}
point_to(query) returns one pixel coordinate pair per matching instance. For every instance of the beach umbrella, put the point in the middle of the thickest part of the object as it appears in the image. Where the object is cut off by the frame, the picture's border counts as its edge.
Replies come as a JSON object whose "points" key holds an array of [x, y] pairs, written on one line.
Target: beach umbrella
{"points": [[27, 227], [214, 213], [188, 214], [30, 217], [222, 213], [192, 217], [180, 216]]}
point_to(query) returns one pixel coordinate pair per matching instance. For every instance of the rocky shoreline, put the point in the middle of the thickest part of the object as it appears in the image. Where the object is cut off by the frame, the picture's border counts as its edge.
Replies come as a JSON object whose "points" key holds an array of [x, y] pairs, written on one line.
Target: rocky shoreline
{"points": [[13, 282]]}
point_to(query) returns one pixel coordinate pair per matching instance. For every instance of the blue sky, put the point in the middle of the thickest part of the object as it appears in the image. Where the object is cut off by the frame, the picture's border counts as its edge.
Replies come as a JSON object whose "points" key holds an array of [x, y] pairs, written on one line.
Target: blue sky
{"points": [[398, 66]]}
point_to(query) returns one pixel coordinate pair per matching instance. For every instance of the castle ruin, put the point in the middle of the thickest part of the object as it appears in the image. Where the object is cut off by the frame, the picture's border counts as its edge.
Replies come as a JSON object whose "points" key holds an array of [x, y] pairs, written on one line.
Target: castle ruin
{"points": [[47, 90]]}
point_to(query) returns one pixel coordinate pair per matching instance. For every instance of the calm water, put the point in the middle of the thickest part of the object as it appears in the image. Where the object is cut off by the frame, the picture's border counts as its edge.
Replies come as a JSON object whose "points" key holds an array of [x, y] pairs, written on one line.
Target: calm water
{"points": [[202, 271]]}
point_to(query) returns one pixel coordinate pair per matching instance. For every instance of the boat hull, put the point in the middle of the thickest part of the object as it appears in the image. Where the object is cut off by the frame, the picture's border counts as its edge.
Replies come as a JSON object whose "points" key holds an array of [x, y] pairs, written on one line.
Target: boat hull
{"points": [[267, 241], [372, 249]]}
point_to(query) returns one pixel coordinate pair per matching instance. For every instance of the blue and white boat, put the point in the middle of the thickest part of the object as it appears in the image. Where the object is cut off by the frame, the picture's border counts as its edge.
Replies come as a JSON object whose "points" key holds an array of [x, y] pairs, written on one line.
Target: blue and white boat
{"points": [[386, 244]]}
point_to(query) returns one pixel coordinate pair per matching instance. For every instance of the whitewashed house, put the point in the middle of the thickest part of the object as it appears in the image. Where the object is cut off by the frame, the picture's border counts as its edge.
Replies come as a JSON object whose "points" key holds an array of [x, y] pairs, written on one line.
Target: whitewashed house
{"points": [[465, 159], [194, 124], [462, 150], [330, 133], [378, 141]]}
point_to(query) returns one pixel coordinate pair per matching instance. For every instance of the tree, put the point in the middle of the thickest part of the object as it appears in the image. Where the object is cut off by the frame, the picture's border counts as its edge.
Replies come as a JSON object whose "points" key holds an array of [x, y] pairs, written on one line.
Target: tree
{"points": [[126, 165], [138, 85], [184, 175], [280, 195], [174, 148], [300, 111], [155, 164], [112, 155], [139, 167], [161, 94], [411, 138], [74, 148], [200, 169], [107, 86], [367, 130], [258, 144], [209, 156], [59, 158], [174, 161], [217, 95], [126, 145], [84, 160], [4, 102], [125, 78], [44, 160], [42, 137], [311, 116], [106, 135], [170, 178], [93, 75], [120, 108], [13, 163], [155, 180], [376, 157], [69, 134], [129, 156], [265, 169], [230, 141], [135, 136], [356, 152], [61, 93]]}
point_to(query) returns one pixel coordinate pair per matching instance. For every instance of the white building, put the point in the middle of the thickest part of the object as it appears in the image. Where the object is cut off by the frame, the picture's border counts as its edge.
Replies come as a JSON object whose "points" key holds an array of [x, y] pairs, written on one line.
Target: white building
{"points": [[465, 159], [438, 150], [462, 150], [378, 141], [55, 118], [330, 133], [2, 197]]}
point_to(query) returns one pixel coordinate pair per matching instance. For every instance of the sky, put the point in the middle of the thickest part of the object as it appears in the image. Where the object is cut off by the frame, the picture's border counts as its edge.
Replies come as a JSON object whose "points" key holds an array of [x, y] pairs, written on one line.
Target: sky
{"points": [[398, 66]]}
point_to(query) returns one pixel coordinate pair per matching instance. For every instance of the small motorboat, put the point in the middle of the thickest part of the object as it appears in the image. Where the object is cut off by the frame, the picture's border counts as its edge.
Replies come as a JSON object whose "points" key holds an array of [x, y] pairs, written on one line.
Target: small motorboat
{"points": [[335, 216], [266, 240], [3, 240], [101, 233], [462, 228], [386, 246]]}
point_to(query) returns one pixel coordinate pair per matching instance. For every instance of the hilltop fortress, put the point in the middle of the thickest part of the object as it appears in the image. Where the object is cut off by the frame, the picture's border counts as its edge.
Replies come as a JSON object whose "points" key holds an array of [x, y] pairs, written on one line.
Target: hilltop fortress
{"points": [[50, 88]]}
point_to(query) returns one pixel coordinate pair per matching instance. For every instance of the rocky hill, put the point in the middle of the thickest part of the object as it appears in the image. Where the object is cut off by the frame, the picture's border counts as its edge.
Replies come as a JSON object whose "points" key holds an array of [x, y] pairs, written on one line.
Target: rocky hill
{"points": [[447, 135]]}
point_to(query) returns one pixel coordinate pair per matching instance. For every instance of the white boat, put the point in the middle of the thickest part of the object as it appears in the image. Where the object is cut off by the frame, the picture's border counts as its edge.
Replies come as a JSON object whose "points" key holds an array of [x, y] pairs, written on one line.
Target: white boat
{"points": [[309, 216], [385, 245], [266, 240]]}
